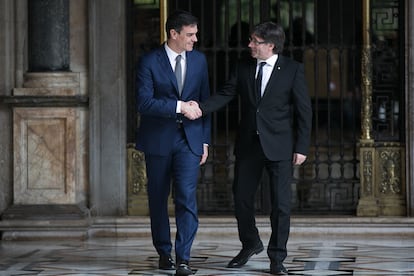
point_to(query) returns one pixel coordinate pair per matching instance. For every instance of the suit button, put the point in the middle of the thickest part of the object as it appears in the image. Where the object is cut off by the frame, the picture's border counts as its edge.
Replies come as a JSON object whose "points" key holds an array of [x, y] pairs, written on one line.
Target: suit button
{"points": [[257, 132]]}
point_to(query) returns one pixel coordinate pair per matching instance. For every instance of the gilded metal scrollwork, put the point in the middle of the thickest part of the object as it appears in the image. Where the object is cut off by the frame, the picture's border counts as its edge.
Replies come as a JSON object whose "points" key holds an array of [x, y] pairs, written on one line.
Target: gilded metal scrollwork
{"points": [[366, 70], [391, 181], [367, 172], [139, 176]]}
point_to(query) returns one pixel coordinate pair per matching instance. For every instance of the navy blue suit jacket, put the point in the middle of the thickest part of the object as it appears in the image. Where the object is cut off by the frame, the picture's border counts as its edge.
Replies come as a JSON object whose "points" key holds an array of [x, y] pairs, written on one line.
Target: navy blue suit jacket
{"points": [[157, 96]]}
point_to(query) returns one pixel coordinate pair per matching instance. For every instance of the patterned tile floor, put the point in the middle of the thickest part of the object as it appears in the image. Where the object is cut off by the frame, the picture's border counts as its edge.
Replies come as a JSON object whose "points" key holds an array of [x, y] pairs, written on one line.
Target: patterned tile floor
{"points": [[136, 256]]}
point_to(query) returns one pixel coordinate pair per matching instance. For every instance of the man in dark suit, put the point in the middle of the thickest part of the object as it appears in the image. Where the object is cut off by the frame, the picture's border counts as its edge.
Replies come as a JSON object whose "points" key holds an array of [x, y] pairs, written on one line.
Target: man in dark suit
{"points": [[274, 133], [174, 147]]}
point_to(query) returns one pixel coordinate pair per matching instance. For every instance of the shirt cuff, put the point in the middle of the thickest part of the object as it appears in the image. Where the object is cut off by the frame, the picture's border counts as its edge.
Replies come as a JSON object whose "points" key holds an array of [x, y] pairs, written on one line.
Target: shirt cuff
{"points": [[178, 108]]}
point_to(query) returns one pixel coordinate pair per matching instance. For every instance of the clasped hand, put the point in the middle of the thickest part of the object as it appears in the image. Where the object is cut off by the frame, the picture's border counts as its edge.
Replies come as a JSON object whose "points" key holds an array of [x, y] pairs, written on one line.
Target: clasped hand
{"points": [[191, 110]]}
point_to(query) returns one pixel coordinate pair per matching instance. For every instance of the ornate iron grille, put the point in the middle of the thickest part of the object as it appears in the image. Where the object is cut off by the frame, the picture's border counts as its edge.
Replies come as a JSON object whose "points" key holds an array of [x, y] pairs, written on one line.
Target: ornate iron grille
{"points": [[325, 36], [329, 181], [388, 82]]}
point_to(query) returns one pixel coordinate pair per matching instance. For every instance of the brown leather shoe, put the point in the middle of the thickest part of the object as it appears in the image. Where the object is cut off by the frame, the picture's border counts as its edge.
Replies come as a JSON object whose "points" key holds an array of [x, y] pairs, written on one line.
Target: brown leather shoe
{"points": [[166, 263], [244, 255]]}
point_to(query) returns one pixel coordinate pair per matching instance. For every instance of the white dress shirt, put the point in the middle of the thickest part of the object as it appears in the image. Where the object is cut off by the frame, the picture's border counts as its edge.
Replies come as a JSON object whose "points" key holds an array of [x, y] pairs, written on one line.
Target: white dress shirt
{"points": [[267, 70], [172, 58]]}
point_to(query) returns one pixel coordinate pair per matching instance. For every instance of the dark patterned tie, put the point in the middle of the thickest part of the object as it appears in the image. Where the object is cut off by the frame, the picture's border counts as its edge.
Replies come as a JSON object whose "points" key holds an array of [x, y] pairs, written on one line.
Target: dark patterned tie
{"points": [[178, 73], [259, 80]]}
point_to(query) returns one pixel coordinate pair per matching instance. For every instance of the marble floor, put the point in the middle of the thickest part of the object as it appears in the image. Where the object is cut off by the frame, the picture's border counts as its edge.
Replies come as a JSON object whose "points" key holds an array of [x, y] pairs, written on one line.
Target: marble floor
{"points": [[308, 255]]}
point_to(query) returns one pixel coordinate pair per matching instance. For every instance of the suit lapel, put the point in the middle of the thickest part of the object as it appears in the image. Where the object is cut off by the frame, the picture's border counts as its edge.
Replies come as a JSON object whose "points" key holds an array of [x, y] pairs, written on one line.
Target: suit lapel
{"points": [[188, 73], [165, 63], [274, 77]]}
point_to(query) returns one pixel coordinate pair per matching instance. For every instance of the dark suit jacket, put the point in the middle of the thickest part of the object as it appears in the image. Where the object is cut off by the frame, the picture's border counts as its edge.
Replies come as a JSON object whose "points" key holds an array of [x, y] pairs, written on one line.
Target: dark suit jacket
{"points": [[157, 96], [282, 117]]}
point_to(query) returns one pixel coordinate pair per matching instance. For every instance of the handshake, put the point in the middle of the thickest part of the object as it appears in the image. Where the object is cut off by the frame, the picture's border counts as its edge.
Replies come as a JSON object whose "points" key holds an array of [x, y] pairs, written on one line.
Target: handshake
{"points": [[191, 110]]}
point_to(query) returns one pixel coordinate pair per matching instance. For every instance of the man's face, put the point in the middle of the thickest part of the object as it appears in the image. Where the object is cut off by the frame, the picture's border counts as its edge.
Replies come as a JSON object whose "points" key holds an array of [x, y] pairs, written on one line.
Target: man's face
{"points": [[259, 48], [185, 39]]}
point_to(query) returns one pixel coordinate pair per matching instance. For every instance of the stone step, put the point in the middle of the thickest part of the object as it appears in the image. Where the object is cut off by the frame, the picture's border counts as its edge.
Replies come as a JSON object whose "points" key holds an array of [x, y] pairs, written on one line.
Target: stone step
{"points": [[219, 227], [301, 226]]}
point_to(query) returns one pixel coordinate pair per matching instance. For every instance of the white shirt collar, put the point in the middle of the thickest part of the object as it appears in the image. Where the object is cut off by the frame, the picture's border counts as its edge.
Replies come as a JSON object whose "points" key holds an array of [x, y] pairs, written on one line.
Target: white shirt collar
{"points": [[270, 61], [172, 54]]}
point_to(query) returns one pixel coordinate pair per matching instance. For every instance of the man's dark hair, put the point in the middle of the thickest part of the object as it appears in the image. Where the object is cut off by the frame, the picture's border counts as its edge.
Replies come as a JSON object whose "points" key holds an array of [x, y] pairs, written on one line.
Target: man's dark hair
{"points": [[271, 32], [178, 19]]}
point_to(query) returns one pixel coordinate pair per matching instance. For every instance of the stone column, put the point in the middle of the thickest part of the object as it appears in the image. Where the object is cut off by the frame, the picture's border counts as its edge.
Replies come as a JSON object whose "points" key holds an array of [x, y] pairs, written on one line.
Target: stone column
{"points": [[48, 35], [9, 44], [107, 108], [410, 109]]}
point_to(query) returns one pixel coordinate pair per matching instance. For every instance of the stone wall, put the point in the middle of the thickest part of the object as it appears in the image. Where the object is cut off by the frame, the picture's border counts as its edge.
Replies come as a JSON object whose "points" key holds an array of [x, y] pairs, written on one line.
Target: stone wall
{"points": [[90, 159]]}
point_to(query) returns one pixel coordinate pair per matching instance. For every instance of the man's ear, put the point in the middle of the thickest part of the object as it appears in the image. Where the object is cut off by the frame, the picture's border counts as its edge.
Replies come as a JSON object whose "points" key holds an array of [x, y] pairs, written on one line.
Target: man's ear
{"points": [[173, 34]]}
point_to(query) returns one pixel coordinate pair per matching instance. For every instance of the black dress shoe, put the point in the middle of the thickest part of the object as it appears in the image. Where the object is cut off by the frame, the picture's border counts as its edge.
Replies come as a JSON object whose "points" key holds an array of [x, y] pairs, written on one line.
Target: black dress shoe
{"points": [[278, 269], [183, 269], [244, 255], [166, 263]]}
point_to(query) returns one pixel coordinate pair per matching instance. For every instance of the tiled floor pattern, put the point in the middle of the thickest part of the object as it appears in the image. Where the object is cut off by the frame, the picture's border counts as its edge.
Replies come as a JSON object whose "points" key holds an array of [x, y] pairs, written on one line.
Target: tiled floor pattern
{"points": [[136, 256]]}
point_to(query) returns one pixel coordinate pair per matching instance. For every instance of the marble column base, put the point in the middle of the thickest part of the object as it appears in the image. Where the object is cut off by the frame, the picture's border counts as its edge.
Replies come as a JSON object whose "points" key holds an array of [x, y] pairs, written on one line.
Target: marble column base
{"points": [[49, 140], [367, 207]]}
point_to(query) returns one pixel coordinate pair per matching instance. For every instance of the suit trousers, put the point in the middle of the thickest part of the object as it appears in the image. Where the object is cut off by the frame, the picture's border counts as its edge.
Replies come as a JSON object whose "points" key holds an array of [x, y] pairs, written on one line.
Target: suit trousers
{"points": [[248, 174], [182, 167]]}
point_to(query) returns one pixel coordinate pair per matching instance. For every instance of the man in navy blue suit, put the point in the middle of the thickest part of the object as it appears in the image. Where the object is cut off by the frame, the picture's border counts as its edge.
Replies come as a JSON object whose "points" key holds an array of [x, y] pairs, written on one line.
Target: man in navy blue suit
{"points": [[167, 79]]}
